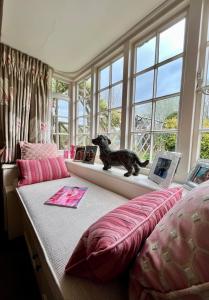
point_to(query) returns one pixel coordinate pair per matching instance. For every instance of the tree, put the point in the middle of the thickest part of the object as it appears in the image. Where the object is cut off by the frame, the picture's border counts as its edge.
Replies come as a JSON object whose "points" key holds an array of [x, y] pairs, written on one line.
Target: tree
{"points": [[59, 86], [204, 146]]}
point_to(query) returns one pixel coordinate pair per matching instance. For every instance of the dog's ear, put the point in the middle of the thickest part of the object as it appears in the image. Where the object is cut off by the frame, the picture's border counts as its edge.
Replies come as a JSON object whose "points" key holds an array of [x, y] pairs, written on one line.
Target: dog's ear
{"points": [[109, 141]]}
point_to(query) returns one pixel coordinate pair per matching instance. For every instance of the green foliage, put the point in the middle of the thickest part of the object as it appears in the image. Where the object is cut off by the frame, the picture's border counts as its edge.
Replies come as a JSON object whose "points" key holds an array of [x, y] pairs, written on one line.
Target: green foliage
{"points": [[204, 146], [59, 87], [115, 117]]}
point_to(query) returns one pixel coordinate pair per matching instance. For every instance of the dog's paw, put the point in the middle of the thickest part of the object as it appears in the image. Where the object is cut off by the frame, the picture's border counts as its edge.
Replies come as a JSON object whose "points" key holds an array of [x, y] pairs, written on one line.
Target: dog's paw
{"points": [[127, 174]]}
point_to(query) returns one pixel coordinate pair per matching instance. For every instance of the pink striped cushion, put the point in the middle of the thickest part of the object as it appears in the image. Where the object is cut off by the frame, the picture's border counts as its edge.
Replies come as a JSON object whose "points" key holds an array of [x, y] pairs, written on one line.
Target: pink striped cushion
{"points": [[38, 170], [37, 151], [109, 245]]}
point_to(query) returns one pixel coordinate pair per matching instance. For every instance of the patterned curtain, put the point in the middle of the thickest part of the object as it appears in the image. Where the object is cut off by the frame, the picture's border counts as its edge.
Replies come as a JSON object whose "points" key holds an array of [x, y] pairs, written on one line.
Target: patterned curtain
{"points": [[24, 100]]}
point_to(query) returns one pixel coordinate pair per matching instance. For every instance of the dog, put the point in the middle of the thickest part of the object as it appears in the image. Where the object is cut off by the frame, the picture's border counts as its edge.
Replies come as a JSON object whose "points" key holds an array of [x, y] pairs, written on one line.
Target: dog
{"points": [[110, 158]]}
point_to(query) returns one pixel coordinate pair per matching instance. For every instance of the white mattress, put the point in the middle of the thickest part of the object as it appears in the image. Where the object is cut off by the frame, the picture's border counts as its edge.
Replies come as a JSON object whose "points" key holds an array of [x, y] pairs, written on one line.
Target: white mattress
{"points": [[60, 228]]}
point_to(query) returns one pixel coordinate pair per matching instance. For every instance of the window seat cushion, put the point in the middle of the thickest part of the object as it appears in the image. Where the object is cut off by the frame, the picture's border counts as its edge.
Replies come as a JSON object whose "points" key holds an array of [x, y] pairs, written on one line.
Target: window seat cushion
{"points": [[58, 230]]}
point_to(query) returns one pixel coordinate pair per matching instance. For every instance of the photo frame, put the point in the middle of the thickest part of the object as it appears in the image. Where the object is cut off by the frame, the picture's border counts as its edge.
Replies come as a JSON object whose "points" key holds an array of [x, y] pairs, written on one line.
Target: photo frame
{"points": [[199, 174], [164, 167], [79, 153], [90, 154]]}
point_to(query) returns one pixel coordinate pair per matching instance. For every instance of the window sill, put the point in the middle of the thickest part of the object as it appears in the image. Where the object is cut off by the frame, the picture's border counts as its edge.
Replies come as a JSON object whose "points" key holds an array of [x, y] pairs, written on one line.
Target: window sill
{"points": [[114, 179]]}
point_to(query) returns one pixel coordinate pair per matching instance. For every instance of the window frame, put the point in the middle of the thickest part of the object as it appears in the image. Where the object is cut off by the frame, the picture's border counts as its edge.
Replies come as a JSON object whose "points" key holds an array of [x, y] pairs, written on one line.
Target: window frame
{"points": [[154, 99], [82, 79], [56, 97], [162, 18], [202, 89], [108, 88]]}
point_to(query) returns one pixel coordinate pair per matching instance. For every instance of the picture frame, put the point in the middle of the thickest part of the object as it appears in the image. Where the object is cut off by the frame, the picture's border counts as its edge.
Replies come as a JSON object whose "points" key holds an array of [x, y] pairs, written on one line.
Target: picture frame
{"points": [[199, 174], [90, 154], [164, 167], [79, 153]]}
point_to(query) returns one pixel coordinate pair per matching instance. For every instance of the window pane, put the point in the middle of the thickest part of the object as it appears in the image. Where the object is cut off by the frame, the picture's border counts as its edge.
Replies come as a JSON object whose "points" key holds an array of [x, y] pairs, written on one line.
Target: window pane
{"points": [[63, 107], [63, 125], [205, 113], [54, 124], [145, 55], [80, 140], [204, 146], [87, 124], [104, 77], [103, 123], [142, 117], [117, 96], [60, 87], [80, 125], [172, 41], [103, 100], [166, 113], [169, 78], [115, 141], [115, 120], [81, 89], [63, 141], [88, 87], [164, 142], [144, 86], [80, 108], [141, 145], [87, 106], [117, 70]]}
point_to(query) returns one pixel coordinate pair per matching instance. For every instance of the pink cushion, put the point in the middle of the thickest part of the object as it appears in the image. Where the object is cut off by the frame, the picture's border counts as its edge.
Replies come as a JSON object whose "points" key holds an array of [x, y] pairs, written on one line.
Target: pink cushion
{"points": [[37, 151], [174, 261], [108, 246], [38, 170]]}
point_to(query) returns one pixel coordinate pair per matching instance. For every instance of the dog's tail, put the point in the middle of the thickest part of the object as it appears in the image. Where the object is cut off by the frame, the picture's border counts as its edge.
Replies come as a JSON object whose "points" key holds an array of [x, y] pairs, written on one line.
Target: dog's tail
{"points": [[141, 164]]}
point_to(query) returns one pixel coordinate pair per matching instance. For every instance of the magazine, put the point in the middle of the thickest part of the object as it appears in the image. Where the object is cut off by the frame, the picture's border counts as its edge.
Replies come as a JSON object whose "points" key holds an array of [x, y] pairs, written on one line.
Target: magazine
{"points": [[68, 196]]}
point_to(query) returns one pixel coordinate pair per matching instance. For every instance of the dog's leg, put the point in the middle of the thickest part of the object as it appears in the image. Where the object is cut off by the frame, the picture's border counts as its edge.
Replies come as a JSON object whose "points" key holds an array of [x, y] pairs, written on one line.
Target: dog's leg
{"points": [[129, 169], [136, 168], [106, 166]]}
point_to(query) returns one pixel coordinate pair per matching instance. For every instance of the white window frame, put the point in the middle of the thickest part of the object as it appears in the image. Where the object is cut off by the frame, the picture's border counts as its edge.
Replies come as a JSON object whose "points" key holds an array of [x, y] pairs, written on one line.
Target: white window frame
{"points": [[59, 96], [187, 130], [156, 65], [108, 88], [202, 88], [84, 79]]}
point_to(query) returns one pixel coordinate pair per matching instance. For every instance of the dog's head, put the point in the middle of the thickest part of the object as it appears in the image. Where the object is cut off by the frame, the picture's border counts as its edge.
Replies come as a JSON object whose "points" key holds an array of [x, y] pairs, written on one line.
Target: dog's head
{"points": [[101, 140]]}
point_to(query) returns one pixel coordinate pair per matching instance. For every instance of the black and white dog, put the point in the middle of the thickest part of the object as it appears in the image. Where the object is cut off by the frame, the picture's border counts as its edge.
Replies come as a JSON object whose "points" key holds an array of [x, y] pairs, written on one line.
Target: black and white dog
{"points": [[110, 158]]}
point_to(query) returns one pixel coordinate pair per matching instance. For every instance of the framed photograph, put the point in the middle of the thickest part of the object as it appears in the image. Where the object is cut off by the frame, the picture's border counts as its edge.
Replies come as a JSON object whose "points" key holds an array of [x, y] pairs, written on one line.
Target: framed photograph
{"points": [[79, 153], [90, 154], [199, 174], [164, 167]]}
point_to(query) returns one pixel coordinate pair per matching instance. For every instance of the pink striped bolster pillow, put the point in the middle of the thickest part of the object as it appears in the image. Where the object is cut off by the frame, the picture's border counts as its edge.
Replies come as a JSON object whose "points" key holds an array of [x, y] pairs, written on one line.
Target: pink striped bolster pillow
{"points": [[37, 150], [38, 170], [109, 245]]}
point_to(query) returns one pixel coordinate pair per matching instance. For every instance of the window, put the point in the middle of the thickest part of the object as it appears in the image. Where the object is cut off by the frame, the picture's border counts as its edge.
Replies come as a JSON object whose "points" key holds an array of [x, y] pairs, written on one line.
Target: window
{"points": [[157, 80], [109, 97], [83, 110], [60, 114], [204, 121]]}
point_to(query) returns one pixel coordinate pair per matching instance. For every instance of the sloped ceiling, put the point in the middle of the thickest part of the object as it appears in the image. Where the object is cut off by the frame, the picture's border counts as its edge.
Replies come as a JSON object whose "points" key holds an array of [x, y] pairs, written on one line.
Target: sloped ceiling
{"points": [[67, 34]]}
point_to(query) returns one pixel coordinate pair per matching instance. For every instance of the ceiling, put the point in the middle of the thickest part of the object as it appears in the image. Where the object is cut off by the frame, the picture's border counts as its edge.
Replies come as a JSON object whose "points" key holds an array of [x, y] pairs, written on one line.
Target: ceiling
{"points": [[67, 34]]}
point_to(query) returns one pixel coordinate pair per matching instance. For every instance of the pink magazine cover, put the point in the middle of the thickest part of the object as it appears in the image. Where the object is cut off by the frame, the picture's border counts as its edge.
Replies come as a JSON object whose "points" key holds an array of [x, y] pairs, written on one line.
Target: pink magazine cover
{"points": [[68, 196]]}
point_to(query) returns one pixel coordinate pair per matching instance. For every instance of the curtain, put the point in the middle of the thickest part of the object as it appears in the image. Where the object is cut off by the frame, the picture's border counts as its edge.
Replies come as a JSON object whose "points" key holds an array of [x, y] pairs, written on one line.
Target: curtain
{"points": [[24, 100]]}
